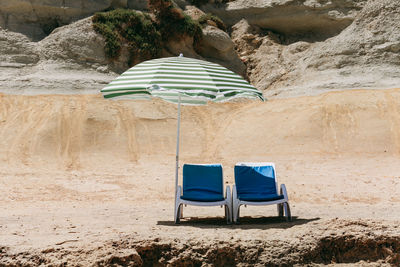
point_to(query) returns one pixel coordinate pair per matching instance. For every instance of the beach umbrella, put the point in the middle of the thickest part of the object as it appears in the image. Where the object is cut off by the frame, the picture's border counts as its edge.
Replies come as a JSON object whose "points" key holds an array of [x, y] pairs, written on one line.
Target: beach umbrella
{"points": [[180, 80]]}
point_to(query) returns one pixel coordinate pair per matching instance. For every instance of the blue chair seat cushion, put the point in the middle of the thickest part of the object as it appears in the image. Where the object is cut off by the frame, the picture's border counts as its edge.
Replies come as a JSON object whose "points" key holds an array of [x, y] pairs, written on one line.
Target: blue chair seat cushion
{"points": [[260, 197], [202, 195]]}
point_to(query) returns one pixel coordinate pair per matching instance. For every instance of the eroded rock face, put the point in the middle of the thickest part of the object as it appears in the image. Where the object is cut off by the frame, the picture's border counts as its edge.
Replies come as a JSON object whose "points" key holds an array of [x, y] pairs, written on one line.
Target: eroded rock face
{"points": [[315, 18], [217, 46], [37, 18], [364, 55], [16, 50], [72, 59], [78, 42], [182, 45], [321, 245]]}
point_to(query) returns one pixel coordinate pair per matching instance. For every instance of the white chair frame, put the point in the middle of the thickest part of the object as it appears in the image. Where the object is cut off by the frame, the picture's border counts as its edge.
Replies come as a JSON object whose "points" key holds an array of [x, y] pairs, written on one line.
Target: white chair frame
{"points": [[227, 202], [282, 204]]}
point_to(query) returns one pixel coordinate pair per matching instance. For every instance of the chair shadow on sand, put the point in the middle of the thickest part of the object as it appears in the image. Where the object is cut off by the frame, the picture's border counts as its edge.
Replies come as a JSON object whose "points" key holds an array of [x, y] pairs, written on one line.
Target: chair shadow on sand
{"points": [[246, 222]]}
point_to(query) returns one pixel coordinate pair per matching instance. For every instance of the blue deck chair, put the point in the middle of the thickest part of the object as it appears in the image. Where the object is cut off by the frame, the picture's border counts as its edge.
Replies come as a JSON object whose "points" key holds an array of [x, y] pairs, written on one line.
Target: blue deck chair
{"points": [[256, 184], [203, 186]]}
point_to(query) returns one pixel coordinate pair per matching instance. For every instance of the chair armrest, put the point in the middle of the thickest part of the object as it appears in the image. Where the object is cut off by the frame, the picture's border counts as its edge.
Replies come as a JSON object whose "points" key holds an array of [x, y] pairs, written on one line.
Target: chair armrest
{"points": [[284, 192], [179, 191]]}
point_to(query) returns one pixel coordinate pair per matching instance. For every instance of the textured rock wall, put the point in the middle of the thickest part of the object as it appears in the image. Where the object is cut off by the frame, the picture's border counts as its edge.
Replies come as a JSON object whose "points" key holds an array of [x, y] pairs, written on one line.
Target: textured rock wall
{"points": [[364, 55], [37, 18], [69, 60], [318, 18], [290, 48], [72, 58]]}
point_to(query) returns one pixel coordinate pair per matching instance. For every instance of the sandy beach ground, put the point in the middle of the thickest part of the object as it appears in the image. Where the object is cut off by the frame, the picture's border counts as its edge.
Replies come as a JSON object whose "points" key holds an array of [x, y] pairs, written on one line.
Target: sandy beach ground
{"points": [[86, 181]]}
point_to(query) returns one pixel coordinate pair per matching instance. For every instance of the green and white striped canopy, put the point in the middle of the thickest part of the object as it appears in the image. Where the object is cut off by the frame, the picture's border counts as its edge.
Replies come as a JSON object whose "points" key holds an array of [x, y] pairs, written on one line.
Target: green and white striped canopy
{"points": [[196, 81]]}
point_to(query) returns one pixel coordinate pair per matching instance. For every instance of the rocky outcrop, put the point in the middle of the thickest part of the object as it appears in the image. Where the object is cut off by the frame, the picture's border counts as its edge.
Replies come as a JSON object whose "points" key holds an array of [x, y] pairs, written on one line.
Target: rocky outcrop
{"points": [[36, 19], [79, 43], [291, 58], [310, 18], [217, 46], [68, 61], [72, 59], [76, 42], [353, 245], [16, 50], [182, 45], [364, 55]]}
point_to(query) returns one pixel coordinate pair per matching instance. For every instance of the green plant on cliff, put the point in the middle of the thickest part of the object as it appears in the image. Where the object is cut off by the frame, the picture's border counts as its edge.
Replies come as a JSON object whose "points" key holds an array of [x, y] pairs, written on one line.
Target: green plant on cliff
{"points": [[203, 20], [142, 34], [172, 22], [136, 29]]}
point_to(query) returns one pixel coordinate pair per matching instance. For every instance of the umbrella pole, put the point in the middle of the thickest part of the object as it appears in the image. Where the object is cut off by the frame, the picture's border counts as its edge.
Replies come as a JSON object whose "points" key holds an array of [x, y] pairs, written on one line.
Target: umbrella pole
{"points": [[177, 151]]}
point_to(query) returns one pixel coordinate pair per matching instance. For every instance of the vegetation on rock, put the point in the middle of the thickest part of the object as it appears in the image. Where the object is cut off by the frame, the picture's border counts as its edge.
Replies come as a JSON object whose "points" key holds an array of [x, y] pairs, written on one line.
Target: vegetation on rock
{"points": [[136, 29], [204, 20], [172, 22], [142, 33]]}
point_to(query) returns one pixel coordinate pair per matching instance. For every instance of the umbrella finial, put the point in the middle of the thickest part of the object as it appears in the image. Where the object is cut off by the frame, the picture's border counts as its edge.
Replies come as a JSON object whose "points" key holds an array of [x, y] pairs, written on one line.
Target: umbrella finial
{"points": [[180, 55]]}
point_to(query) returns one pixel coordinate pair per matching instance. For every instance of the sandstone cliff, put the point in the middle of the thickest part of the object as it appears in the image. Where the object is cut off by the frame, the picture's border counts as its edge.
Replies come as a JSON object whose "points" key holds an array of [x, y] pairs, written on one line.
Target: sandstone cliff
{"points": [[36, 19], [363, 55], [290, 48]]}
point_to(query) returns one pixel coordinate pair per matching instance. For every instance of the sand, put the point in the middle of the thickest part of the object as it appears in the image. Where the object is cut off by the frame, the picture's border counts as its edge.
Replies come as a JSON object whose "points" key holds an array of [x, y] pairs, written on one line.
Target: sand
{"points": [[86, 181]]}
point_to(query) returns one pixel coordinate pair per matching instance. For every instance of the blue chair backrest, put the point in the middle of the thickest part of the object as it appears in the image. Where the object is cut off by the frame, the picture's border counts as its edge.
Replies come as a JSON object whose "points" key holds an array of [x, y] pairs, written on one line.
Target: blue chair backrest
{"points": [[202, 181], [255, 180]]}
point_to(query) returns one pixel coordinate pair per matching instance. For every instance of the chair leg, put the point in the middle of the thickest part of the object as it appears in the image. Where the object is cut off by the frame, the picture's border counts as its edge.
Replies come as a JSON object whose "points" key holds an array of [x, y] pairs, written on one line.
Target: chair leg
{"points": [[178, 213], [181, 213], [288, 215], [230, 214], [226, 214], [280, 209], [228, 205], [229, 208], [235, 211], [238, 214]]}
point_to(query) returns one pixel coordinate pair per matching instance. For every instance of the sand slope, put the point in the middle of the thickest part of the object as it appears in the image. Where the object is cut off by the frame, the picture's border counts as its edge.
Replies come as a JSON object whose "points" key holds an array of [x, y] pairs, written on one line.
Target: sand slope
{"points": [[89, 181], [87, 131]]}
